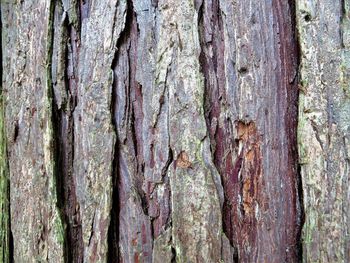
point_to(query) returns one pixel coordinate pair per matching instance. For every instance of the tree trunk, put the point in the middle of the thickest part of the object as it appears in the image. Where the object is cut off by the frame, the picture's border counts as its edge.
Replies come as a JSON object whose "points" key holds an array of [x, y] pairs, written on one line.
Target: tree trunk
{"points": [[174, 131]]}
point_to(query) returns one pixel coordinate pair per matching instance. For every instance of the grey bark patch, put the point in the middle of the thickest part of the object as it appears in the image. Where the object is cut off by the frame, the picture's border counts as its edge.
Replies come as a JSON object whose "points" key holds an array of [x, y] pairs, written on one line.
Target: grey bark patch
{"points": [[35, 218], [323, 128]]}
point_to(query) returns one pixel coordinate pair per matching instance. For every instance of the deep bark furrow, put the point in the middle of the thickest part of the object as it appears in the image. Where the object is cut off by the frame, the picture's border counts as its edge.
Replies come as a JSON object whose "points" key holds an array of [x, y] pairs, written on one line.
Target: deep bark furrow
{"points": [[174, 131], [113, 231], [65, 57], [55, 11], [5, 227], [72, 211], [128, 118], [54, 133]]}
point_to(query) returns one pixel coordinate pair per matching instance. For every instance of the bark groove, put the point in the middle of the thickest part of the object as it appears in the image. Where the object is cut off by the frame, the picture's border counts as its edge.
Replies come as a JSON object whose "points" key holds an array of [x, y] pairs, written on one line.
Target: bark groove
{"points": [[323, 128], [64, 73], [174, 131], [254, 152], [5, 227]]}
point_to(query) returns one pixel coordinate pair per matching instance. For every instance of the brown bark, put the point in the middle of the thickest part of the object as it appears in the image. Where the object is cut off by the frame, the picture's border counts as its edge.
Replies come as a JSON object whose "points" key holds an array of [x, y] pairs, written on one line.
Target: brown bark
{"points": [[251, 108], [166, 131]]}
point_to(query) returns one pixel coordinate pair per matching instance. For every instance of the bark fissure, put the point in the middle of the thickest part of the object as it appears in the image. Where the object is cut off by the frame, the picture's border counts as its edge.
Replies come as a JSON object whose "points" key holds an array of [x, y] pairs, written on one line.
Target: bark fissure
{"points": [[297, 85], [343, 17], [113, 231], [54, 136], [211, 59], [55, 119], [293, 129], [75, 239], [64, 104], [6, 242]]}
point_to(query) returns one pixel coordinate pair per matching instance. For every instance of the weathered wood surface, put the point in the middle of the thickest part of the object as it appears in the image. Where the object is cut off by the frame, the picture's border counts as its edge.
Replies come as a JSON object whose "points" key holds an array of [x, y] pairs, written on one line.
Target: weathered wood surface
{"points": [[324, 119], [166, 131]]}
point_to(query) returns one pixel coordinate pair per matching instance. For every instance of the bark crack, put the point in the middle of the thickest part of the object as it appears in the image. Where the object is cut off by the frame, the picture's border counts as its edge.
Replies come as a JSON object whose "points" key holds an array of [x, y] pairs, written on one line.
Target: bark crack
{"points": [[295, 83], [113, 231], [161, 98], [342, 18], [6, 239], [65, 49], [54, 119]]}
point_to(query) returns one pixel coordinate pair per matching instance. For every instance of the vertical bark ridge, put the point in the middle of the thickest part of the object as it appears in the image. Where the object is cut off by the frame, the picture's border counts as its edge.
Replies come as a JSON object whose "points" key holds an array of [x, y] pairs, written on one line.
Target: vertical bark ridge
{"points": [[113, 232], [35, 218], [215, 105], [193, 177], [101, 26], [253, 136], [323, 129], [212, 56]]}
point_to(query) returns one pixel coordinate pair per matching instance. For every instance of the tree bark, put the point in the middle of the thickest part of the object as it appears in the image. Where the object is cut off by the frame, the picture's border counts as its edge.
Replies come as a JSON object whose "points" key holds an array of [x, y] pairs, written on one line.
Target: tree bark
{"points": [[174, 131], [324, 118], [5, 234]]}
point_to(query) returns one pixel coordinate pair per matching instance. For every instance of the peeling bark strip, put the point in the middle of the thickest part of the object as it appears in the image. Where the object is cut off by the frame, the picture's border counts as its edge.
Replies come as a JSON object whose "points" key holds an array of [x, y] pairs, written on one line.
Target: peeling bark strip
{"points": [[323, 130], [250, 73]]}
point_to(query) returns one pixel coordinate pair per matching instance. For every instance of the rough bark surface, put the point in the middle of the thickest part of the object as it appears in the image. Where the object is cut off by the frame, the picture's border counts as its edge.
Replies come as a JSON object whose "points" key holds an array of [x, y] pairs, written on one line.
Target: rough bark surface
{"points": [[27, 90], [251, 94], [166, 131], [324, 118], [5, 234]]}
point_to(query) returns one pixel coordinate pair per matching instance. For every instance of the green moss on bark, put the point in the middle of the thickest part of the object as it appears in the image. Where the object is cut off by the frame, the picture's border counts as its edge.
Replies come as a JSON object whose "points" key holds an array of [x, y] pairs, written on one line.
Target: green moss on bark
{"points": [[4, 194]]}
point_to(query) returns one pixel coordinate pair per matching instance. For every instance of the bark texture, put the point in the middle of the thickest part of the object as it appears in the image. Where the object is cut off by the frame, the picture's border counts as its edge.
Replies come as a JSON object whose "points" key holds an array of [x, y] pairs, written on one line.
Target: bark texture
{"points": [[251, 112], [35, 218], [5, 234], [166, 131], [324, 118]]}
